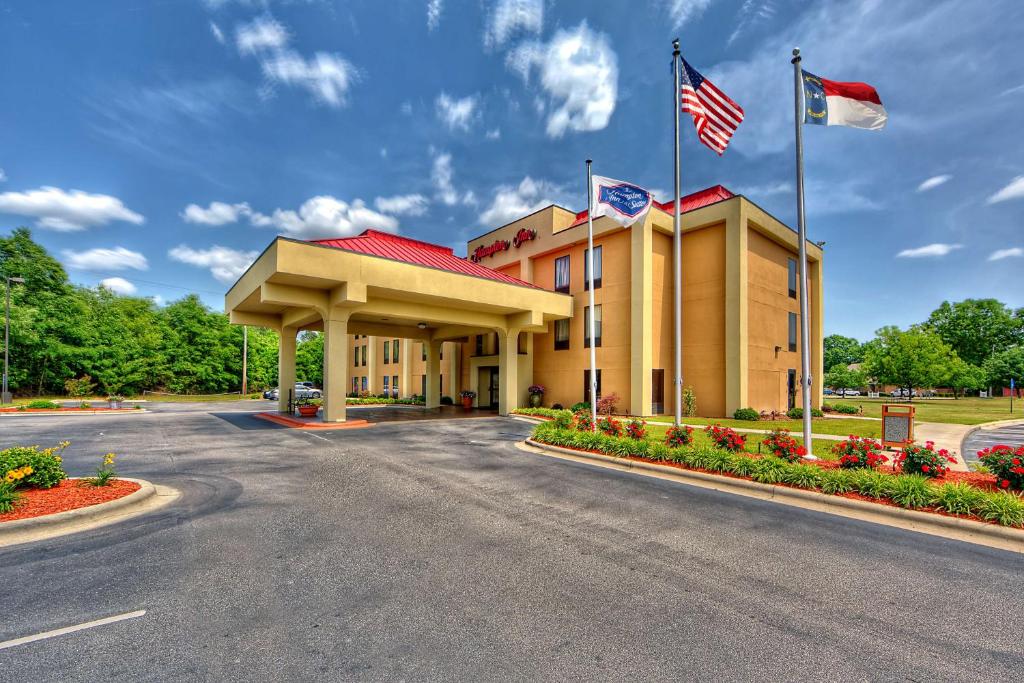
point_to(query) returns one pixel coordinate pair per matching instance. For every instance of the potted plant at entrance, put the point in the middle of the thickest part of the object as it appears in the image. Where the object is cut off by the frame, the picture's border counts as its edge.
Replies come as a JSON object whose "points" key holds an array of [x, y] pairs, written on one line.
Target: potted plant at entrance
{"points": [[467, 399], [114, 401], [309, 407], [536, 392]]}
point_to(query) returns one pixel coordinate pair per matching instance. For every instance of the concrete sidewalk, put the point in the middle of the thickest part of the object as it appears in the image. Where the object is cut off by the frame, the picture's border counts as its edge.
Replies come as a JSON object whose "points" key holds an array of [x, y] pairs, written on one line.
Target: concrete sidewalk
{"points": [[945, 435]]}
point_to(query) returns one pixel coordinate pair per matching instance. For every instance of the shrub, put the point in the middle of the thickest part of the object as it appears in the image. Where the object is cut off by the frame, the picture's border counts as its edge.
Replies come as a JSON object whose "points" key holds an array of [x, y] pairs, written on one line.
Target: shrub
{"points": [[798, 413], [636, 429], [925, 460], [577, 407], [803, 476], [447, 401], [689, 402], [768, 470], [1004, 508], [719, 461], [872, 483], [8, 496], [610, 426], [77, 388], [557, 406], [42, 404], [679, 436], [856, 452], [845, 409], [746, 414], [911, 491], [606, 404], [46, 464], [836, 481], [784, 446], [105, 473], [1006, 463], [958, 498], [725, 438], [583, 421], [743, 465]]}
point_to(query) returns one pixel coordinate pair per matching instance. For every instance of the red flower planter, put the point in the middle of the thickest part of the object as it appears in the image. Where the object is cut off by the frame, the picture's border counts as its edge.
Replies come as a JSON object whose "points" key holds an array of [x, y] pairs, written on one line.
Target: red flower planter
{"points": [[308, 411], [467, 402]]}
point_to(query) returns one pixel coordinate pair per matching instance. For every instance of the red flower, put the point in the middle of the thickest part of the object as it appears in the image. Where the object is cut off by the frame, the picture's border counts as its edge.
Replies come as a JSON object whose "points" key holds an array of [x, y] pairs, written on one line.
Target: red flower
{"points": [[1005, 483], [925, 468], [1016, 461]]}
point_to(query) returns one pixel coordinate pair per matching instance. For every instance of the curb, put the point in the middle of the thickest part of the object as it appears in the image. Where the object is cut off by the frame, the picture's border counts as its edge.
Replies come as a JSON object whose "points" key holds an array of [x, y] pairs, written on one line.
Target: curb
{"points": [[47, 413], [89, 514], [293, 423], [956, 528]]}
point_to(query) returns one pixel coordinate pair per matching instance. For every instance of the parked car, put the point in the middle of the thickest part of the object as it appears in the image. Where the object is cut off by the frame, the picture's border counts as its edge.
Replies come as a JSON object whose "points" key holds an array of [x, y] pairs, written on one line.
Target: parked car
{"points": [[828, 392], [302, 390], [903, 393], [849, 392]]}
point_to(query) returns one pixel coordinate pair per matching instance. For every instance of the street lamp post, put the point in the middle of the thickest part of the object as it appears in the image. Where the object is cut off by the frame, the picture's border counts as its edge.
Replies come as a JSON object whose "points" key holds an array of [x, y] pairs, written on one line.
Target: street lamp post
{"points": [[6, 397]]}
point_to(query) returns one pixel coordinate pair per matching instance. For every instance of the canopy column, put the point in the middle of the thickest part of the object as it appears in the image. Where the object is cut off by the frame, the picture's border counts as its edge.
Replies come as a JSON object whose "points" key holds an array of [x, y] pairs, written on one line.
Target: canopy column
{"points": [[432, 368], [405, 381], [336, 350], [508, 370], [286, 367]]}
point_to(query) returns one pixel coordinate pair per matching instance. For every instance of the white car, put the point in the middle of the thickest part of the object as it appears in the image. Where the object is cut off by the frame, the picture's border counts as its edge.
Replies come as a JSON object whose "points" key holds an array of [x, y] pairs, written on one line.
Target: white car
{"points": [[849, 392]]}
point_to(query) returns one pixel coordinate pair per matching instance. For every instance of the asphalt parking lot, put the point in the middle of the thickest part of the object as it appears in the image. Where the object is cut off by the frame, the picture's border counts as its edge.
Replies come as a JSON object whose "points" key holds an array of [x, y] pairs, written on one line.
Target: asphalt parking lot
{"points": [[435, 550]]}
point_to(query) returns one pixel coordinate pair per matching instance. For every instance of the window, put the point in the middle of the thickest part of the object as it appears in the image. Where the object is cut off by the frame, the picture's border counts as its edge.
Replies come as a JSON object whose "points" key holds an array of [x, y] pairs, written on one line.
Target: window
{"points": [[562, 334], [364, 380], [355, 385], [387, 390], [479, 350], [423, 385], [792, 331], [562, 274], [586, 385], [394, 386], [792, 278], [387, 352], [363, 354], [355, 356], [586, 326], [394, 351], [598, 269], [423, 351], [791, 389]]}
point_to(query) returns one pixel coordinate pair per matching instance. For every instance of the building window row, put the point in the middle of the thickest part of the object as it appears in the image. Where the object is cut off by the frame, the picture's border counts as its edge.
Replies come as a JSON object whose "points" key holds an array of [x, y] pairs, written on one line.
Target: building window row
{"points": [[562, 271]]}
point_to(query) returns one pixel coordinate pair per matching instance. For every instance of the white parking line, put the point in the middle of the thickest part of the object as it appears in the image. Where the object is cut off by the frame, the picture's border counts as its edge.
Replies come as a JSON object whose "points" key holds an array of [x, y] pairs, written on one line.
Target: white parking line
{"points": [[70, 629]]}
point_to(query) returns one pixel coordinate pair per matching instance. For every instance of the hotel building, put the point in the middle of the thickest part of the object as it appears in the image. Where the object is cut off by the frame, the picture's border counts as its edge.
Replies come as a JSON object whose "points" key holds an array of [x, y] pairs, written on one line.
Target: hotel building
{"points": [[419, 320]]}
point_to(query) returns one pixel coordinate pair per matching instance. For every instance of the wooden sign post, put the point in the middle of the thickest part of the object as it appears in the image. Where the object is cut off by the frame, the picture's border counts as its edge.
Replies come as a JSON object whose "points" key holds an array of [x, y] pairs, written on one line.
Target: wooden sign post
{"points": [[897, 425]]}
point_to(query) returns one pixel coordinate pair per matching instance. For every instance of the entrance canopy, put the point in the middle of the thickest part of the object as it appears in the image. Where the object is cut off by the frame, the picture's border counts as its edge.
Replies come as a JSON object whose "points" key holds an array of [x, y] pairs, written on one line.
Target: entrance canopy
{"points": [[387, 286]]}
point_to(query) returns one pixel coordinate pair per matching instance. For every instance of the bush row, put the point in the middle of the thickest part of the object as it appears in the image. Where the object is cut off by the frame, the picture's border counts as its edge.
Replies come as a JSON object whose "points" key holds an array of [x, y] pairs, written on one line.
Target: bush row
{"points": [[912, 491], [374, 400]]}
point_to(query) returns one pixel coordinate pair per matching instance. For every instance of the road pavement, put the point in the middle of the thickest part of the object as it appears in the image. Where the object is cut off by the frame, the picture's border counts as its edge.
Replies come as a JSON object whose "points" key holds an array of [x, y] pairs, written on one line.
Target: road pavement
{"points": [[979, 439], [439, 551]]}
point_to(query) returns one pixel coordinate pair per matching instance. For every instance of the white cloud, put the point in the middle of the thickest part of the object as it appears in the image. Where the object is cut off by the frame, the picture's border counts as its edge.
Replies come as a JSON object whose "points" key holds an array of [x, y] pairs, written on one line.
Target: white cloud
{"points": [[218, 213], [681, 11], [260, 34], [326, 216], [457, 114], [1000, 254], [1015, 190], [443, 175], [434, 13], [64, 211], [511, 17], [118, 285], [3, 176], [769, 189], [225, 264], [579, 71], [218, 35], [929, 251], [493, 134], [158, 300], [513, 202], [117, 258], [751, 13], [326, 75], [933, 182], [402, 205]]}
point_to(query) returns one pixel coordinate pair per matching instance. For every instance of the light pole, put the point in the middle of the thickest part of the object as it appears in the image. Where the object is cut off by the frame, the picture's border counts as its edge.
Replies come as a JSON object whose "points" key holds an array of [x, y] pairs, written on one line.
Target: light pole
{"points": [[6, 397]]}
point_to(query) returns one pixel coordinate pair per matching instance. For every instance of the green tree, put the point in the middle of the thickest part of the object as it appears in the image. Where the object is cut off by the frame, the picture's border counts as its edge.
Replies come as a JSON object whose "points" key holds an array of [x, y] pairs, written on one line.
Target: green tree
{"points": [[911, 359], [1005, 365], [840, 350], [966, 377], [840, 376], [309, 358], [263, 347], [976, 328], [203, 351]]}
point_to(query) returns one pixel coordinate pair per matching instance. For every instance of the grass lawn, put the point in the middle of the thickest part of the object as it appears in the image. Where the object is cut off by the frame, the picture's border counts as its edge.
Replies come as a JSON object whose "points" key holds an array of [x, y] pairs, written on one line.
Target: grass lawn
{"points": [[822, 447], [155, 398], [968, 411], [835, 427]]}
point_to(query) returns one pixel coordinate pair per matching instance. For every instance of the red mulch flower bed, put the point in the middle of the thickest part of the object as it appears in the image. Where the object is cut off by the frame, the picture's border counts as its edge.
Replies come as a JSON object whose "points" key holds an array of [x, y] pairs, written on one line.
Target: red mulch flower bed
{"points": [[66, 409], [70, 494]]}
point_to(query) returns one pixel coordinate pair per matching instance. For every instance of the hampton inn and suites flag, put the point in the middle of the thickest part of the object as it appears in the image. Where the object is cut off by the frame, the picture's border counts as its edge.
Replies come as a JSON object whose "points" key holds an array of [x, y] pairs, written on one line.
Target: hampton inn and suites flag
{"points": [[832, 103], [623, 202]]}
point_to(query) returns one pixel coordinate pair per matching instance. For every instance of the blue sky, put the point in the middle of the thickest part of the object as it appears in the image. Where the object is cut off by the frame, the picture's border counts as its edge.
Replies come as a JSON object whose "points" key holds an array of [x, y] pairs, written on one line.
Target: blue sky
{"points": [[166, 143]]}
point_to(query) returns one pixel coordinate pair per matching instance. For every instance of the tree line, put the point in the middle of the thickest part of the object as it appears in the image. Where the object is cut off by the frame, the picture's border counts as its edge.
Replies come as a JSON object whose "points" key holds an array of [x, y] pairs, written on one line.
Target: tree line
{"points": [[963, 346]]}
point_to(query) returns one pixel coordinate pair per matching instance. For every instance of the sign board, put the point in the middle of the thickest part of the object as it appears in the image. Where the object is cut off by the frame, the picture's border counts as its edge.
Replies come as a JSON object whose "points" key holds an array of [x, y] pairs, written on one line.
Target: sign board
{"points": [[523, 236], [897, 425]]}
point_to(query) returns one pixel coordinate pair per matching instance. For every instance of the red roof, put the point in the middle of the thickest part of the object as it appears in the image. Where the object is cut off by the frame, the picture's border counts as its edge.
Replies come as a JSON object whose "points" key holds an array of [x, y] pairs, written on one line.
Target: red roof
{"points": [[416, 252], [690, 202]]}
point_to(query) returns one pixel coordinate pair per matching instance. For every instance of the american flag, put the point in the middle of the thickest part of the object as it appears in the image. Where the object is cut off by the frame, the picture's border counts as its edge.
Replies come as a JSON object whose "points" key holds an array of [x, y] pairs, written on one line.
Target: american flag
{"points": [[714, 114]]}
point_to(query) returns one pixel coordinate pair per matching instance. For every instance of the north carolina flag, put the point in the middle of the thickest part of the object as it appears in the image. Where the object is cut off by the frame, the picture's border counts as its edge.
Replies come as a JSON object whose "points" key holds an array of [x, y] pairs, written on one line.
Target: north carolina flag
{"points": [[833, 103]]}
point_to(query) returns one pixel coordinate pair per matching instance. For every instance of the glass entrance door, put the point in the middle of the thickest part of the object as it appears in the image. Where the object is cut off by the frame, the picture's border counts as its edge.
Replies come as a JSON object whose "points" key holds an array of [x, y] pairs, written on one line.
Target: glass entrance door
{"points": [[492, 389]]}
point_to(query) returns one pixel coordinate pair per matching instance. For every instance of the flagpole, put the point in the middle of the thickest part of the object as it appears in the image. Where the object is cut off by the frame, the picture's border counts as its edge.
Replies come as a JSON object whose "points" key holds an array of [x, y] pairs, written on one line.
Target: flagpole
{"points": [[590, 271], [806, 380], [677, 253]]}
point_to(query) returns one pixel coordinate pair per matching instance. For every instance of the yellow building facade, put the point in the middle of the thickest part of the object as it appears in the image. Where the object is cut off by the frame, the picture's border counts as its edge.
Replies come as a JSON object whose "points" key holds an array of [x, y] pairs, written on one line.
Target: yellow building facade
{"points": [[403, 317]]}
